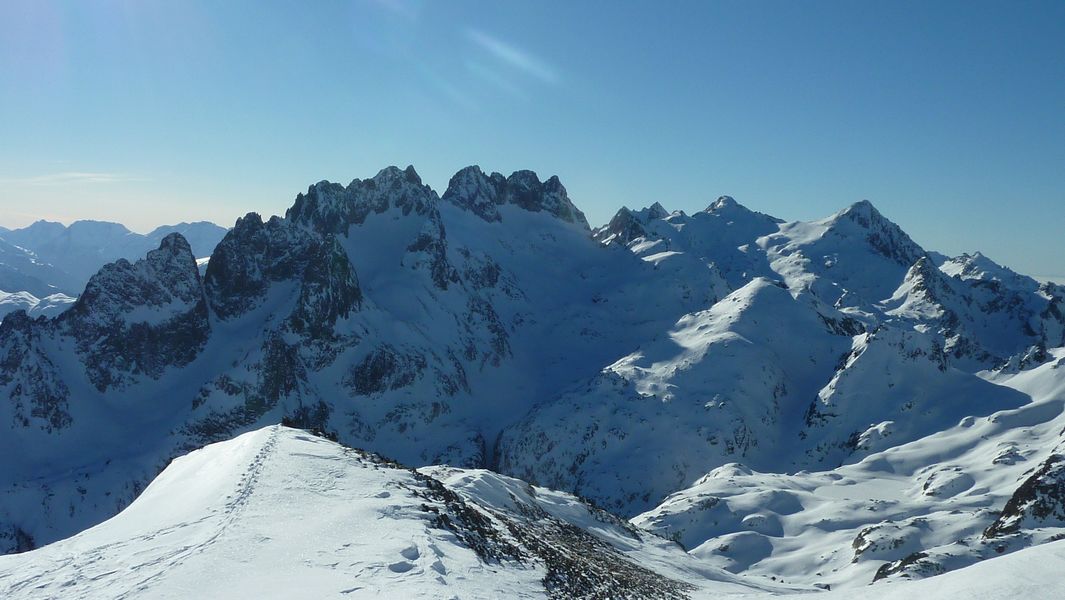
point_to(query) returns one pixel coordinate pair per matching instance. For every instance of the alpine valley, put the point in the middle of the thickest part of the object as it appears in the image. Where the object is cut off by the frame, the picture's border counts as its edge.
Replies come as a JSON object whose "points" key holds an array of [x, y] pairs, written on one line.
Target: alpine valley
{"points": [[671, 405]]}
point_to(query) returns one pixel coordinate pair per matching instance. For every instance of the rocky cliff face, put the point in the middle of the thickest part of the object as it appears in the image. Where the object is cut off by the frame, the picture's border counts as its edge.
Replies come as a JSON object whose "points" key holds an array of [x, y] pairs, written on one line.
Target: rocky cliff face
{"points": [[139, 319]]}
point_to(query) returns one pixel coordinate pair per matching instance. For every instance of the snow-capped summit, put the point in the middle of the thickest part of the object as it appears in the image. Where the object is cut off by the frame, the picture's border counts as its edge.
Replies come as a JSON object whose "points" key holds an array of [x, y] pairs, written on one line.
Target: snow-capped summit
{"points": [[856, 252], [976, 266], [722, 202], [883, 235]]}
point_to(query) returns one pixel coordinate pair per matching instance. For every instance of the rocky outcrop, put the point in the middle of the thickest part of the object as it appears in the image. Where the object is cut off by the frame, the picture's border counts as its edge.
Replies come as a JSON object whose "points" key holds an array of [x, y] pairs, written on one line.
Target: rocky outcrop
{"points": [[1038, 502], [140, 319]]}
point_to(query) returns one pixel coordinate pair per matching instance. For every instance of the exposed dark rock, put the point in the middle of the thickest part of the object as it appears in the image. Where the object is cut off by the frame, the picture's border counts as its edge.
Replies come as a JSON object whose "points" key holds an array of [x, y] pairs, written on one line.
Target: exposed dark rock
{"points": [[624, 227], [383, 369], [1038, 502], [332, 208], [38, 394], [329, 290]]}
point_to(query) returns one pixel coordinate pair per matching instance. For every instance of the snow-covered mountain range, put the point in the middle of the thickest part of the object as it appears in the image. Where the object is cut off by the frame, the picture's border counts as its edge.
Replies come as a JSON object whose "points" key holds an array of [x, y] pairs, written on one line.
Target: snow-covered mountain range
{"points": [[824, 403], [45, 265]]}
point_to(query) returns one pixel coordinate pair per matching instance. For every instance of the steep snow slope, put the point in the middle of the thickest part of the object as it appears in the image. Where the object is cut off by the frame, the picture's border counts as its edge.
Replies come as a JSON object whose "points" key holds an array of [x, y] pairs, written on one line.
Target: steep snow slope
{"points": [[278, 513], [1034, 573], [857, 253]]}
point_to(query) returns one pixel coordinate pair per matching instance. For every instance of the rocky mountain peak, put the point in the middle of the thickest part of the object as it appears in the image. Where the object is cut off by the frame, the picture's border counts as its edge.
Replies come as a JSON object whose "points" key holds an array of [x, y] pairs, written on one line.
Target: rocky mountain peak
{"points": [[166, 275], [332, 208], [729, 208], [883, 235], [140, 318], [926, 280], [393, 175], [924, 268], [525, 190], [862, 212], [624, 227], [656, 211], [976, 266], [173, 247], [482, 194], [723, 203], [477, 192]]}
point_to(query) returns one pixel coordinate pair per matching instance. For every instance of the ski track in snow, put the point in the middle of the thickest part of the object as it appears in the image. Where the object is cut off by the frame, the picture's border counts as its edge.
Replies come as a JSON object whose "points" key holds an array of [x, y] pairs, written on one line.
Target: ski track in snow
{"points": [[154, 566]]}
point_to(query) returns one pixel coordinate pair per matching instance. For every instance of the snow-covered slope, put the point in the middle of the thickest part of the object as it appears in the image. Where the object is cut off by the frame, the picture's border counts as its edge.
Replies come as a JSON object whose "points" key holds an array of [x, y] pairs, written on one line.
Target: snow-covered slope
{"points": [[934, 504], [23, 271], [279, 513], [1034, 573], [491, 328], [49, 306]]}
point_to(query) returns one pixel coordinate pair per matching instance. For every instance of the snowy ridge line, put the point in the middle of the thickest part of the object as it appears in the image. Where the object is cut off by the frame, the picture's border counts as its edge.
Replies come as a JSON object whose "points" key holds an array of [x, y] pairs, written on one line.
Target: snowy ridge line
{"points": [[340, 510]]}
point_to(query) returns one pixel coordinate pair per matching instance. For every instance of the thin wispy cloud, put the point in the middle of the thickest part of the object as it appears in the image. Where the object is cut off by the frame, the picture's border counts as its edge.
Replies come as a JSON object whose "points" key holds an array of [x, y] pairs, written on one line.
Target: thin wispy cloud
{"points": [[74, 178], [513, 57], [495, 78], [445, 87]]}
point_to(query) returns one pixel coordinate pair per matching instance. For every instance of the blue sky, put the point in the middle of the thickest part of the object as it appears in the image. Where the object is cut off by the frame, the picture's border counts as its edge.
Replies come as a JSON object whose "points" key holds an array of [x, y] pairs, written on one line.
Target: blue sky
{"points": [[948, 116]]}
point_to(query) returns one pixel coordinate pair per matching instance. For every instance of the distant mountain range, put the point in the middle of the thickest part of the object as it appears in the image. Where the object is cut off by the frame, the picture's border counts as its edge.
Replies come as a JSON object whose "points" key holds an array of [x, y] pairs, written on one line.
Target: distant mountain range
{"points": [[43, 266], [821, 403]]}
